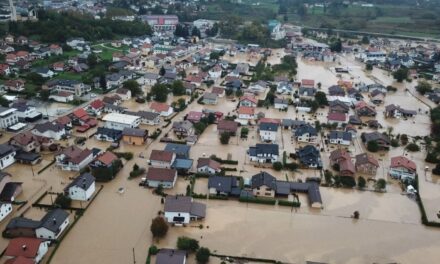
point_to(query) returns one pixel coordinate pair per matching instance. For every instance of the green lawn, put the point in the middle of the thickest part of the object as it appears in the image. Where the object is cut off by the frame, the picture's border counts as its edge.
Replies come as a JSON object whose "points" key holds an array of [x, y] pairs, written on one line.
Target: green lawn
{"points": [[392, 20]]}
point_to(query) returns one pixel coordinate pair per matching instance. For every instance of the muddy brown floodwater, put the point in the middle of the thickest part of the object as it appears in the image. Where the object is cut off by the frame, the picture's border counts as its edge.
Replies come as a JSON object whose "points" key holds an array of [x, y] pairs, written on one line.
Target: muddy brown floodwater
{"points": [[115, 228]]}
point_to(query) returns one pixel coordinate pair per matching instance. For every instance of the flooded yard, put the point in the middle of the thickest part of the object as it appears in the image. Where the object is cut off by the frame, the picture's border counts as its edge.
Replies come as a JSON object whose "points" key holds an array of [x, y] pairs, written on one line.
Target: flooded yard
{"points": [[116, 227]]}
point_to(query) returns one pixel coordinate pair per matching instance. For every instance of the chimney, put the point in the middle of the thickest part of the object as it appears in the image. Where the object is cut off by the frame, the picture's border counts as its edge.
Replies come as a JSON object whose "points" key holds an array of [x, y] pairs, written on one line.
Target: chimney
{"points": [[24, 247], [54, 221]]}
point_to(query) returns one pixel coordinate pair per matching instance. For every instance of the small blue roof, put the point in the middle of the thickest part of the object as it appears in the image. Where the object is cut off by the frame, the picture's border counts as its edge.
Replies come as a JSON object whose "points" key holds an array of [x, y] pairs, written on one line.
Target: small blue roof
{"points": [[182, 164]]}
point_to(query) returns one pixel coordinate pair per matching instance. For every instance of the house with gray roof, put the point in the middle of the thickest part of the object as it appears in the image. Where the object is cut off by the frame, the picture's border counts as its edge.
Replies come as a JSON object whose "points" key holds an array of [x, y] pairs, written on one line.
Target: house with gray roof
{"points": [[395, 111], [264, 153], [224, 185], [183, 128], [134, 136], [7, 155], [309, 157], [108, 134], [268, 131], [340, 138], [171, 256], [21, 227], [210, 98], [181, 151], [181, 210], [284, 88], [52, 224], [263, 184], [292, 124], [111, 108], [280, 103], [51, 130], [147, 117], [307, 92], [81, 188], [306, 133], [382, 140]]}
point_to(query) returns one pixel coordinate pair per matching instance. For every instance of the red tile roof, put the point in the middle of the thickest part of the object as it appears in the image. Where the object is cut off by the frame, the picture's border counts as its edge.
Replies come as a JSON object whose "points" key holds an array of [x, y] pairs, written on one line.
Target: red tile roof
{"points": [[308, 82], [23, 246], [19, 260], [159, 107], [249, 98], [161, 174], [270, 120], [336, 116], [107, 158], [227, 125], [194, 116], [63, 120], [244, 110], [97, 104], [80, 113], [161, 155], [208, 162], [401, 161], [218, 90]]}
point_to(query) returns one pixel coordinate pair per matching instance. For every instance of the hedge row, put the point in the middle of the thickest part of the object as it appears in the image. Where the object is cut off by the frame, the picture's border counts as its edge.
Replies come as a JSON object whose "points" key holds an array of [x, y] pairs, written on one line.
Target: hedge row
{"points": [[199, 196], [201, 175], [222, 161], [257, 200], [287, 203], [218, 197], [126, 155], [229, 169]]}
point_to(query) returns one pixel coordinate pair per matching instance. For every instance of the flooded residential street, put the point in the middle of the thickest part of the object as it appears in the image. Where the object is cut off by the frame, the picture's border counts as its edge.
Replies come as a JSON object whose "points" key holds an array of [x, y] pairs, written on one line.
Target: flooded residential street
{"points": [[116, 227]]}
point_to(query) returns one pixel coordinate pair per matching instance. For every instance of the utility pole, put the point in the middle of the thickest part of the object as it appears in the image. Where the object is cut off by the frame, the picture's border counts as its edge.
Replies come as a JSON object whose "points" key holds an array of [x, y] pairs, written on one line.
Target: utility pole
{"points": [[134, 257]]}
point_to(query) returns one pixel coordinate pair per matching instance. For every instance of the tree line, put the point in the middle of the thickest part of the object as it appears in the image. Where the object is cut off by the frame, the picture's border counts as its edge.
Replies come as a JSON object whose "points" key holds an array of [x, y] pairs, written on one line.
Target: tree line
{"points": [[58, 27]]}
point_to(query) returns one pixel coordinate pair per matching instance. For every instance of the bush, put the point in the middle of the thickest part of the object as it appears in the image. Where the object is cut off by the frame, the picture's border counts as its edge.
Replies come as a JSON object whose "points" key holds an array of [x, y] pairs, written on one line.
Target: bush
{"points": [[277, 166], [361, 182], [346, 181], [63, 201], [431, 157], [372, 146], [381, 184], [291, 166], [391, 88], [202, 255], [413, 147], [153, 250], [244, 132], [199, 196], [224, 138], [218, 197], [222, 161], [188, 244], [424, 87], [126, 155], [394, 143], [436, 170], [404, 139], [136, 173], [159, 227]]}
